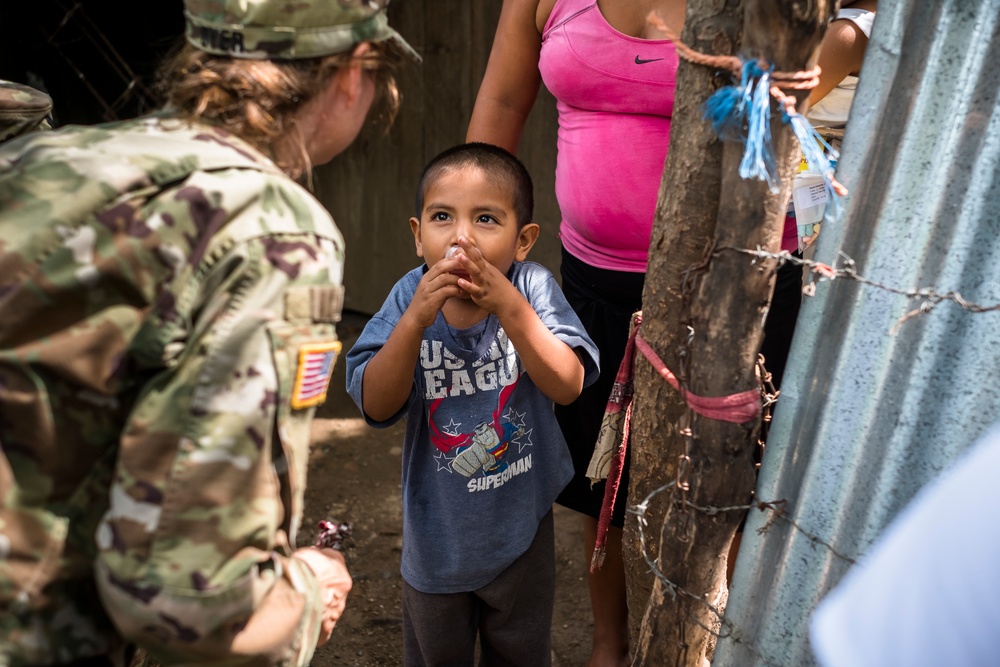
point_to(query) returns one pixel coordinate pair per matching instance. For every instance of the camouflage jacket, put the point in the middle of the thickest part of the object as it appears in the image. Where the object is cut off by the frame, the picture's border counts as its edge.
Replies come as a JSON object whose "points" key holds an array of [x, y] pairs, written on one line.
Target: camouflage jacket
{"points": [[168, 301]]}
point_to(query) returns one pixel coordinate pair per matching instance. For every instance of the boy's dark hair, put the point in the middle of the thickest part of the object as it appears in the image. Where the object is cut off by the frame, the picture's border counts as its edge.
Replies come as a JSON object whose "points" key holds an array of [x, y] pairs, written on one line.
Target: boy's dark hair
{"points": [[500, 167]]}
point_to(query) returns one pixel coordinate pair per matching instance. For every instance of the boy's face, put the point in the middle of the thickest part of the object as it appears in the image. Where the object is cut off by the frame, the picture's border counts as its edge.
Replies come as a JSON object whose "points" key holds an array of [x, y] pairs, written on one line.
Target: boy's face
{"points": [[462, 202]]}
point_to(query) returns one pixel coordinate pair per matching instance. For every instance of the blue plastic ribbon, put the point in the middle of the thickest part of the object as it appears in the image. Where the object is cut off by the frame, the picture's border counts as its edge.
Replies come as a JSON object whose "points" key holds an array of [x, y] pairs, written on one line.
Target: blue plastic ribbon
{"points": [[758, 158], [726, 109], [743, 113]]}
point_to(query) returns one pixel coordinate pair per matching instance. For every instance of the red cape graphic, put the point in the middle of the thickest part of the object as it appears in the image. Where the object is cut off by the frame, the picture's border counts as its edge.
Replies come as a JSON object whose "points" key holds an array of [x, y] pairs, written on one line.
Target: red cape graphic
{"points": [[446, 441]]}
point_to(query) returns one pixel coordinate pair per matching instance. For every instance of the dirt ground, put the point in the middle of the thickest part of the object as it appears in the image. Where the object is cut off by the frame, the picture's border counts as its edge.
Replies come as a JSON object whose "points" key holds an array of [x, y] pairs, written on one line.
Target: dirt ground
{"points": [[354, 476]]}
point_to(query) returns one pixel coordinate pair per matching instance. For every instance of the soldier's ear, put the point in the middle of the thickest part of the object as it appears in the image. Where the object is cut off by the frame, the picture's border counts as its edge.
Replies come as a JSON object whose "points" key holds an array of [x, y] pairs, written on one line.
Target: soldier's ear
{"points": [[350, 78]]}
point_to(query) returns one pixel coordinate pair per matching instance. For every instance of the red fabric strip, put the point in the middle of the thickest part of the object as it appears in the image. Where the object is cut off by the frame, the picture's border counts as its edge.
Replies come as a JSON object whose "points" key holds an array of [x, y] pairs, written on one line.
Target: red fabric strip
{"points": [[735, 408], [620, 400]]}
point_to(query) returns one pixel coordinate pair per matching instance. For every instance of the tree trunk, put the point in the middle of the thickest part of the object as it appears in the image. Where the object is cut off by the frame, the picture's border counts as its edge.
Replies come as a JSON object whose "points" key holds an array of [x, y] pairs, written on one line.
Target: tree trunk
{"points": [[692, 281], [683, 230]]}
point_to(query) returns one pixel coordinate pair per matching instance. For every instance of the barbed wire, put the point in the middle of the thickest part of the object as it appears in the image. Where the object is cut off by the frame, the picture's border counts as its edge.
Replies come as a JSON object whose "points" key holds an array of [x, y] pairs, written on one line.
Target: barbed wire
{"points": [[681, 484], [680, 487], [727, 630], [930, 297], [731, 630]]}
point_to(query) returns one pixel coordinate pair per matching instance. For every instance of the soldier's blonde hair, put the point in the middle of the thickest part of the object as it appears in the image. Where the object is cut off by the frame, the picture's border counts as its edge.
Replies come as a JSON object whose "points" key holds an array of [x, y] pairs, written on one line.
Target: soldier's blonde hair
{"points": [[257, 99]]}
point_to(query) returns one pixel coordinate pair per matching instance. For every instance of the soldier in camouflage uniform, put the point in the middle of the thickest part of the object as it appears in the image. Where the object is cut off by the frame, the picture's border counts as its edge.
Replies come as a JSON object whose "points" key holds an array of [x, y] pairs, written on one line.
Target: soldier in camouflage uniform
{"points": [[22, 110], [168, 300]]}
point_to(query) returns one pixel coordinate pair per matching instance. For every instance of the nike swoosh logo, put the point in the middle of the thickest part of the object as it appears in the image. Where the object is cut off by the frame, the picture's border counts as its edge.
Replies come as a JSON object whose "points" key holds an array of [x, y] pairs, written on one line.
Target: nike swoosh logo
{"points": [[640, 61]]}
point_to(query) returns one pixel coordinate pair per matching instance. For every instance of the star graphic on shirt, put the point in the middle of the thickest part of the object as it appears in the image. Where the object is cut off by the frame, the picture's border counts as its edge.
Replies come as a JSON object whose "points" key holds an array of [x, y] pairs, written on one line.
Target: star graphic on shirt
{"points": [[514, 417], [451, 428], [444, 463], [521, 438]]}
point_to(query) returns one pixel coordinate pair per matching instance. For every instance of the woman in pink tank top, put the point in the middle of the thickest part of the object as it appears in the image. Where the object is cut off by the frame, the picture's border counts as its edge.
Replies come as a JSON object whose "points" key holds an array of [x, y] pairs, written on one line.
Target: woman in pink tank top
{"points": [[613, 77]]}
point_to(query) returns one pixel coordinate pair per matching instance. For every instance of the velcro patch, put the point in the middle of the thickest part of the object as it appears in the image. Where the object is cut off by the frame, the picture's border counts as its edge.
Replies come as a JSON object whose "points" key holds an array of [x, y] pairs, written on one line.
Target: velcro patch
{"points": [[314, 303], [312, 377]]}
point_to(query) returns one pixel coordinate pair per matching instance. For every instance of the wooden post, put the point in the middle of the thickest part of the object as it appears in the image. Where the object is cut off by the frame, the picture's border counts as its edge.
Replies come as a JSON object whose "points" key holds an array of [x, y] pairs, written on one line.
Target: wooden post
{"points": [[703, 308]]}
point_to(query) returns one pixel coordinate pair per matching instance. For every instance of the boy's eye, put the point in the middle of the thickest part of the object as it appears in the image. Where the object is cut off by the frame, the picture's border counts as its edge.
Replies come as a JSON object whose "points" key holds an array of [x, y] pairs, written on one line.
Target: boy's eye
{"points": [[440, 215], [488, 219]]}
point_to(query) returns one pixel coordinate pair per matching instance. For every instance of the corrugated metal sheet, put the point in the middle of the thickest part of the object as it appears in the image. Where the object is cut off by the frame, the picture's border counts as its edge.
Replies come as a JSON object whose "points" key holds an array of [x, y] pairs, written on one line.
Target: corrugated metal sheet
{"points": [[868, 416]]}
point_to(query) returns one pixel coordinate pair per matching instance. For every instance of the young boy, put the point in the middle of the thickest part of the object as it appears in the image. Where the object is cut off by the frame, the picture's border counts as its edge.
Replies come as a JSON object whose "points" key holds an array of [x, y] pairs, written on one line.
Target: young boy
{"points": [[473, 348]]}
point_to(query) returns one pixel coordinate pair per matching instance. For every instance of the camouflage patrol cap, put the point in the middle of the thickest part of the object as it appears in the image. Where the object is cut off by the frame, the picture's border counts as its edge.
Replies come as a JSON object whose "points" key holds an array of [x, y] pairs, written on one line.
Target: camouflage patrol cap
{"points": [[22, 109], [288, 29]]}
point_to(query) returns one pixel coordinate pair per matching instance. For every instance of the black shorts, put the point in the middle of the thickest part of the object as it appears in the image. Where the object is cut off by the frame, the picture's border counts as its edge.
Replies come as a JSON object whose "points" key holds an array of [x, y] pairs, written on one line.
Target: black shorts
{"points": [[605, 301]]}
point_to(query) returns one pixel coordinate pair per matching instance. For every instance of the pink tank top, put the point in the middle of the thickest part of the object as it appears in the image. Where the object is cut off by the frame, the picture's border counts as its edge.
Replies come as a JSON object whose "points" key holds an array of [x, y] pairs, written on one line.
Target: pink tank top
{"points": [[615, 96]]}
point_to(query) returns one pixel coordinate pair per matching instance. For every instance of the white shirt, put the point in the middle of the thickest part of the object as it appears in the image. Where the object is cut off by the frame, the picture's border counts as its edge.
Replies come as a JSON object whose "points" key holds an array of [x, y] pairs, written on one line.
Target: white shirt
{"points": [[927, 594]]}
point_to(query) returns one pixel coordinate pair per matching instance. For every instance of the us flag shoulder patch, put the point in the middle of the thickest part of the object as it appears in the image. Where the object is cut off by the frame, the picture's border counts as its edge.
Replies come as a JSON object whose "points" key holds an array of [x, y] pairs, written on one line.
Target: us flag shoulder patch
{"points": [[312, 378]]}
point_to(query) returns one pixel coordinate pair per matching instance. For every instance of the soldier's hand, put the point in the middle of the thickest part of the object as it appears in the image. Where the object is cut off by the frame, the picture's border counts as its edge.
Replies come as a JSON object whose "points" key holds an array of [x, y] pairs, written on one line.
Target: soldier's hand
{"points": [[334, 581]]}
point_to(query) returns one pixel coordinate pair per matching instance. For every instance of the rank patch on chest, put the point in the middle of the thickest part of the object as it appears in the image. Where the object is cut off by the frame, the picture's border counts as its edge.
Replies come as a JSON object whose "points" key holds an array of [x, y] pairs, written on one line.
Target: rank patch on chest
{"points": [[312, 377]]}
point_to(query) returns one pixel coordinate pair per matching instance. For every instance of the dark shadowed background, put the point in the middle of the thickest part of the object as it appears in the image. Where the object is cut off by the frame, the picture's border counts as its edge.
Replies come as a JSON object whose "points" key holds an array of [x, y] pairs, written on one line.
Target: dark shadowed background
{"points": [[96, 58]]}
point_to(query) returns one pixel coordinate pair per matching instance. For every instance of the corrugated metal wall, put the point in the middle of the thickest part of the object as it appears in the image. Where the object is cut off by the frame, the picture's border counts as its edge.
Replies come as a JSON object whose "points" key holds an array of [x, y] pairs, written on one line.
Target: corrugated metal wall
{"points": [[868, 416], [369, 189]]}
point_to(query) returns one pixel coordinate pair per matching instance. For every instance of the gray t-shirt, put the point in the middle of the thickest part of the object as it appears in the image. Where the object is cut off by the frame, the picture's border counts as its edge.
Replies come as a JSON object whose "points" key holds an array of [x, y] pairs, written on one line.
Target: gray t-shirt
{"points": [[483, 456]]}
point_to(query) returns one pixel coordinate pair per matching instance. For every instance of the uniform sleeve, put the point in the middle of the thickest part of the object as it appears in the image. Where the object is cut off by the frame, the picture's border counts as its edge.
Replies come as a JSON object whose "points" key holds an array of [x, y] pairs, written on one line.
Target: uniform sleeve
{"points": [[194, 553]]}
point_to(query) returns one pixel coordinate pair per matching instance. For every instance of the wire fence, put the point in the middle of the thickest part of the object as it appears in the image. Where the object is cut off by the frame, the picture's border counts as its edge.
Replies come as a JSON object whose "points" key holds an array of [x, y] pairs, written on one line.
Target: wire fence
{"points": [[928, 299], [84, 48]]}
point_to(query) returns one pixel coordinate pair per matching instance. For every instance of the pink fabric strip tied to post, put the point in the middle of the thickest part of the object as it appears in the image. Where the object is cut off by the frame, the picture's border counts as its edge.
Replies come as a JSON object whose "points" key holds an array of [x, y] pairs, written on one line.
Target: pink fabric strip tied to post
{"points": [[612, 441]]}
